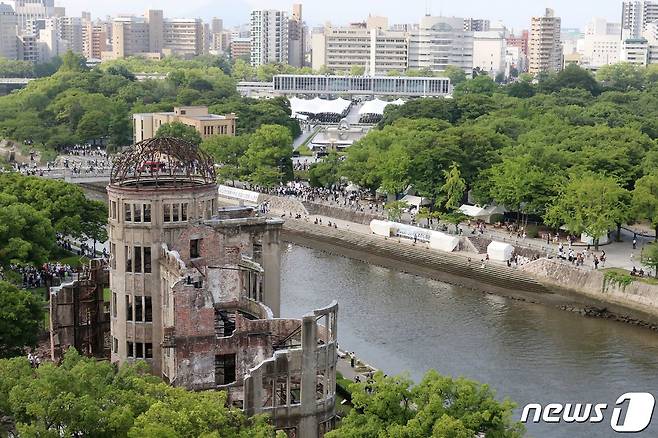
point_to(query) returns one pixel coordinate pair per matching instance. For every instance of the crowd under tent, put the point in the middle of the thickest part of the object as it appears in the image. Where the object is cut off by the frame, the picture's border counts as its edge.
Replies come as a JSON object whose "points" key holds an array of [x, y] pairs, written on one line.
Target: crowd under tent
{"points": [[372, 111], [500, 251], [320, 109], [416, 201]]}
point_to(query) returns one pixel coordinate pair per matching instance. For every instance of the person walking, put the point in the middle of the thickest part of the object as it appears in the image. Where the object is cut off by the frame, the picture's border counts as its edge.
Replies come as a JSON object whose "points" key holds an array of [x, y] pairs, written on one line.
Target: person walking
{"points": [[634, 243]]}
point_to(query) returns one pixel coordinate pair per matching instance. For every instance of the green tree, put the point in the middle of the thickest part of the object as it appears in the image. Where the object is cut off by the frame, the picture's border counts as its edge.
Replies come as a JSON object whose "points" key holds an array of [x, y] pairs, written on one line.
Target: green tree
{"points": [[478, 85], [437, 406], [26, 235], [181, 131], [85, 397], [645, 200], [621, 76], [93, 125], [21, 317], [357, 70], [591, 204], [325, 173], [575, 77], [268, 158], [226, 151], [395, 209], [455, 74], [73, 63], [453, 189]]}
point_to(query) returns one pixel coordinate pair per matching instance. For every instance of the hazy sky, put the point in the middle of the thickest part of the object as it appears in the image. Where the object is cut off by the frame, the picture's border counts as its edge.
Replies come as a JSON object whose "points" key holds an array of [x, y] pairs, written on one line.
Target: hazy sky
{"points": [[513, 13]]}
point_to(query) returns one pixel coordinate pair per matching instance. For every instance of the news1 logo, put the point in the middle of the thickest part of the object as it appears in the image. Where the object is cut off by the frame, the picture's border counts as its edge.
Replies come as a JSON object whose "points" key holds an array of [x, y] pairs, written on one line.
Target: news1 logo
{"points": [[632, 412]]}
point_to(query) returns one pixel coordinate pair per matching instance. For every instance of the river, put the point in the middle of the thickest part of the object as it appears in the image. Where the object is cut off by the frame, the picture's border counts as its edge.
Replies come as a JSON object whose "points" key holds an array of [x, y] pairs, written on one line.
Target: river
{"points": [[528, 352]]}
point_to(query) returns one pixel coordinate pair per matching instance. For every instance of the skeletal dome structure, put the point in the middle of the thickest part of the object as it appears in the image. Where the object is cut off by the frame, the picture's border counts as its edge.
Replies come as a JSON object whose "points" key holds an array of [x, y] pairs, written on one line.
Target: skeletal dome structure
{"points": [[163, 162]]}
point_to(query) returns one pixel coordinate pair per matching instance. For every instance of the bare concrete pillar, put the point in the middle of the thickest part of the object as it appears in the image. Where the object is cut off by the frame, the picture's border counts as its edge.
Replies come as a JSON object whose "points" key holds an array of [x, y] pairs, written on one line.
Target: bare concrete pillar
{"points": [[308, 425], [272, 276]]}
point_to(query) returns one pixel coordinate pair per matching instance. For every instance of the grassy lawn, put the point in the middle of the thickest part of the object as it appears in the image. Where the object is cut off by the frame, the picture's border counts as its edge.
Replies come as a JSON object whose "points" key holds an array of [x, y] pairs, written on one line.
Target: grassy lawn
{"points": [[107, 294], [304, 151], [648, 280], [68, 258]]}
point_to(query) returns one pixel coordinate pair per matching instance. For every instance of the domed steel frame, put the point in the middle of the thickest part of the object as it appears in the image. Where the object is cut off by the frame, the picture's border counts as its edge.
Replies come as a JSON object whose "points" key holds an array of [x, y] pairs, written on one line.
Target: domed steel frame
{"points": [[164, 161]]}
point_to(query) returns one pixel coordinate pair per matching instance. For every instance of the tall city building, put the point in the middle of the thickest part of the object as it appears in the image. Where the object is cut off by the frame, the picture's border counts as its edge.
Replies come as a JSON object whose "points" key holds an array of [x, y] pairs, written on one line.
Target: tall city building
{"points": [[545, 47], [296, 34], [489, 51], [476, 25], [29, 10], [439, 42], [635, 16], [601, 44], [95, 39], [183, 37], [8, 29], [130, 37], [240, 48], [269, 37], [369, 45], [70, 30]]}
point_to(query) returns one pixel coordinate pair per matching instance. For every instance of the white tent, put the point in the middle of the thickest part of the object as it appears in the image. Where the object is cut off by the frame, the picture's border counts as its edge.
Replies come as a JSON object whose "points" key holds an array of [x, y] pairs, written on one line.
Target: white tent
{"points": [[500, 251], [382, 228], [352, 188], [319, 106], [443, 242], [377, 106], [483, 213], [415, 201]]}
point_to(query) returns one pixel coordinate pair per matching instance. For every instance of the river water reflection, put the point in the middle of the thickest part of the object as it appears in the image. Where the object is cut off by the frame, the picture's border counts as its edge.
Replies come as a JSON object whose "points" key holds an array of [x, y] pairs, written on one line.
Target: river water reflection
{"points": [[528, 352]]}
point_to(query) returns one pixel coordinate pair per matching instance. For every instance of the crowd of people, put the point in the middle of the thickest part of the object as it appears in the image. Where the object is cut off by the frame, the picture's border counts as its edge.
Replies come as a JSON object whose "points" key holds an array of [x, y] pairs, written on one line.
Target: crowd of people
{"points": [[33, 277]]}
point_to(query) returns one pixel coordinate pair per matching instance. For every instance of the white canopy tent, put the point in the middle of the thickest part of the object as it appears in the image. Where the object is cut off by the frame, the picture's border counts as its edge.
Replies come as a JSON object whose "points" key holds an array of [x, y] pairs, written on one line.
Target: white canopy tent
{"points": [[482, 213], [415, 201], [500, 251], [443, 242], [318, 106], [382, 228], [377, 106]]}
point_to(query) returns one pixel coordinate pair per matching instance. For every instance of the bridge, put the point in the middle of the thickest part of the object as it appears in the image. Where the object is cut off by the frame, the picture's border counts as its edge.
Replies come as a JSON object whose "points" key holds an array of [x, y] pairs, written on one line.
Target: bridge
{"points": [[7, 85]]}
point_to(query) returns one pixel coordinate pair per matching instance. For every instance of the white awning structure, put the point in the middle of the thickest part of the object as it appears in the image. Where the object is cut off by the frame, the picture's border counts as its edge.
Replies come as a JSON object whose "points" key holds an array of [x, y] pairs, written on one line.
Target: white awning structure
{"points": [[318, 106], [500, 251], [382, 228], [483, 213], [443, 242], [415, 201], [377, 106]]}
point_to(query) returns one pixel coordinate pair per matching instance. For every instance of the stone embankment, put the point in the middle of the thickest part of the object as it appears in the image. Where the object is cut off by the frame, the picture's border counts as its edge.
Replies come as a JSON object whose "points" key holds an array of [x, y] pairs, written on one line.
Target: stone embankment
{"points": [[543, 281], [453, 268], [638, 296]]}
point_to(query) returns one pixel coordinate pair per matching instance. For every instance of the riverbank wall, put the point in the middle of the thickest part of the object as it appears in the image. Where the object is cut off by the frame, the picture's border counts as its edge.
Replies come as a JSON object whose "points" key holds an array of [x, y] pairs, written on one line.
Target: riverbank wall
{"points": [[542, 282], [638, 296]]}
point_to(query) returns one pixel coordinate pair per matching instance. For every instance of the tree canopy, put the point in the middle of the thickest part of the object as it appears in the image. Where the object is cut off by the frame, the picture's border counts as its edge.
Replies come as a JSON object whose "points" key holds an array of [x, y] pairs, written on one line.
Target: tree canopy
{"points": [[85, 397], [21, 317], [181, 131], [437, 406]]}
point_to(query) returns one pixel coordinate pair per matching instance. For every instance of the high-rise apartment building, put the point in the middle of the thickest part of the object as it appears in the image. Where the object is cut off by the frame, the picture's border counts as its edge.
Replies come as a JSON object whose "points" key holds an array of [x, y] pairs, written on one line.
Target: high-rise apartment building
{"points": [[296, 37], [130, 37], [240, 48], [269, 37], [366, 45], [95, 39], [183, 37], [439, 42], [29, 10], [8, 28], [636, 15], [545, 47], [476, 25], [70, 30]]}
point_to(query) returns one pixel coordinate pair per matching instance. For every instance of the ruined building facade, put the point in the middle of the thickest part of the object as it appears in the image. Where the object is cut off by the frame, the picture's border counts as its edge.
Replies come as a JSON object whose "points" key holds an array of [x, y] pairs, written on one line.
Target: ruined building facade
{"points": [[195, 292]]}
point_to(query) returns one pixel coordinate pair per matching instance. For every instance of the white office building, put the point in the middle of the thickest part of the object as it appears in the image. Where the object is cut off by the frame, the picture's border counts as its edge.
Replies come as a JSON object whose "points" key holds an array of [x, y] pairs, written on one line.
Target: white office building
{"points": [[269, 37], [439, 42], [489, 51], [601, 44], [30, 10], [369, 45]]}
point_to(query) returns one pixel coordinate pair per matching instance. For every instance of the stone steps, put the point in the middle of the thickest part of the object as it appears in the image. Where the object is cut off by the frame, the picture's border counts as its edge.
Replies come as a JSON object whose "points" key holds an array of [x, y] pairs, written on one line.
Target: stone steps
{"points": [[453, 263]]}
